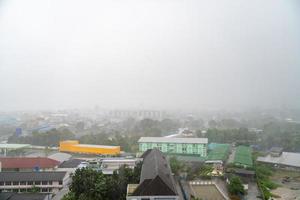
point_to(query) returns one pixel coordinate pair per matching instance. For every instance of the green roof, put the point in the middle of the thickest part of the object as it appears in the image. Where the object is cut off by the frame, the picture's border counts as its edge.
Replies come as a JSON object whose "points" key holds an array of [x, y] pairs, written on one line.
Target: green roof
{"points": [[219, 152], [243, 156], [13, 146], [189, 158]]}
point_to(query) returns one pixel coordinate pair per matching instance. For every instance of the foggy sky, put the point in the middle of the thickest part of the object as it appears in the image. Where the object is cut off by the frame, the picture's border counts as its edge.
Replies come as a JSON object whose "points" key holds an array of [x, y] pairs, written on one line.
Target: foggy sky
{"points": [[154, 54]]}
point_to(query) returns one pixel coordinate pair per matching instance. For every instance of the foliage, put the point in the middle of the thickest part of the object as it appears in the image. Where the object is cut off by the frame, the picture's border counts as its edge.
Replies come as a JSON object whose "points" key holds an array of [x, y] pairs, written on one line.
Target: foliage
{"points": [[176, 165], [88, 184], [50, 138], [235, 187], [263, 173], [240, 135]]}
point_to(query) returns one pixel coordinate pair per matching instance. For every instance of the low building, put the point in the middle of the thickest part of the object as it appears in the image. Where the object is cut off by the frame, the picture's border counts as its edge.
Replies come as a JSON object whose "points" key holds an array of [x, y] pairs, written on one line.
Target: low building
{"points": [[27, 164], [179, 146], [243, 156], [276, 151], [287, 160], [156, 182], [5, 148], [109, 165], [73, 146], [24, 196], [42, 182]]}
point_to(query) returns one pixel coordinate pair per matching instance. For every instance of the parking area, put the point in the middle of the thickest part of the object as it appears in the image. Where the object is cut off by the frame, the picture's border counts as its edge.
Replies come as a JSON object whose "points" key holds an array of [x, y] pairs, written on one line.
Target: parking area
{"points": [[289, 182]]}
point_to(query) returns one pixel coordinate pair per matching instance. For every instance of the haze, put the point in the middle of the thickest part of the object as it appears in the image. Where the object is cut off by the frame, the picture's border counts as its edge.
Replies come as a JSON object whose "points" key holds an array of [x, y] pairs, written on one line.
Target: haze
{"points": [[158, 54]]}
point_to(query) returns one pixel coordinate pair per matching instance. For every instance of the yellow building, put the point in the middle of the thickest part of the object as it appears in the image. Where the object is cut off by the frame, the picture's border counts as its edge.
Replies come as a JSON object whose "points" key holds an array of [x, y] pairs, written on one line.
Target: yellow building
{"points": [[73, 146]]}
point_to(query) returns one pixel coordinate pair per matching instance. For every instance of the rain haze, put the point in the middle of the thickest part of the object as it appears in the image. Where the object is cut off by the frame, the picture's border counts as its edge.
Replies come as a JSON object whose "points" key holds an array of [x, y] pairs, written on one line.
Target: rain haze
{"points": [[158, 54]]}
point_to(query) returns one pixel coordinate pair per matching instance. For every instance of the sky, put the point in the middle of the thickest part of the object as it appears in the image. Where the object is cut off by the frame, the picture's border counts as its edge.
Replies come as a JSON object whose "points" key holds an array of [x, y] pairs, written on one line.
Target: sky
{"points": [[149, 54]]}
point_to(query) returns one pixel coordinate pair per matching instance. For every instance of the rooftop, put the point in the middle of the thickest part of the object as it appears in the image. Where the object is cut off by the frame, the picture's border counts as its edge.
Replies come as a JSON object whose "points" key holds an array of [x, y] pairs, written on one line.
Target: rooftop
{"points": [[32, 176], [13, 146], [174, 140], [73, 163], [243, 155], [27, 162], [156, 176], [286, 158], [96, 146], [23, 196]]}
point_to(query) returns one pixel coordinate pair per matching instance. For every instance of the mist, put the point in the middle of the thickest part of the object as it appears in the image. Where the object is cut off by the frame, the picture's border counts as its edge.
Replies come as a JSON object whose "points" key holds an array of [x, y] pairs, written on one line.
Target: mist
{"points": [[154, 54]]}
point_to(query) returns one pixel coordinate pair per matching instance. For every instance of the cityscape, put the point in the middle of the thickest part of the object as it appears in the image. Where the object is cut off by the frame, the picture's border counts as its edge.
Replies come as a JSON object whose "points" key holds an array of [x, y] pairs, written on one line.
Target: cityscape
{"points": [[149, 100]]}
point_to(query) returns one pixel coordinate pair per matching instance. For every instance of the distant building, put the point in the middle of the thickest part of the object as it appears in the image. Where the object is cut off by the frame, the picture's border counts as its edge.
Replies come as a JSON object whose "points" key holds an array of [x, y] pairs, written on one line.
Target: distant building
{"points": [[243, 156], [287, 160], [109, 165], [27, 164], [24, 196], [156, 182], [73, 146], [44, 182], [276, 151], [180, 146]]}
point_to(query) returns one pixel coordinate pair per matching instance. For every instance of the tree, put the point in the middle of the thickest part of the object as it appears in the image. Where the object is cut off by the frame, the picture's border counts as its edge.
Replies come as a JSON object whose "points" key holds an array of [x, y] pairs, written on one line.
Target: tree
{"points": [[176, 165], [235, 186]]}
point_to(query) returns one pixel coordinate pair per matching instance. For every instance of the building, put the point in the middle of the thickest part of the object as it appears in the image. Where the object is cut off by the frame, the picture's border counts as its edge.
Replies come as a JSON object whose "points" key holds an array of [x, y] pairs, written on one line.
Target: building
{"points": [[5, 148], [156, 182], [109, 165], [243, 156], [73, 146], [180, 146], [27, 164], [218, 153], [43, 182], [276, 151], [24, 196], [287, 160]]}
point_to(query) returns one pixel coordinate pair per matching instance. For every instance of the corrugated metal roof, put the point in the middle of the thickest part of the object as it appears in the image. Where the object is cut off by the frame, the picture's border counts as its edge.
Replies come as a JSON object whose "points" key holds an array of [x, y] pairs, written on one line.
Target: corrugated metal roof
{"points": [[32, 176], [13, 146], [27, 163], [286, 158], [174, 140]]}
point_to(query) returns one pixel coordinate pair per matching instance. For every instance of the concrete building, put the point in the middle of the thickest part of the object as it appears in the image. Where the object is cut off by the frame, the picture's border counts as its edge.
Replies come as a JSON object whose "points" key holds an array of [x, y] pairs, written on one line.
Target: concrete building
{"points": [[156, 182], [44, 182], [180, 146], [73, 146], [109, 165], [24, 196], [286, 160]]}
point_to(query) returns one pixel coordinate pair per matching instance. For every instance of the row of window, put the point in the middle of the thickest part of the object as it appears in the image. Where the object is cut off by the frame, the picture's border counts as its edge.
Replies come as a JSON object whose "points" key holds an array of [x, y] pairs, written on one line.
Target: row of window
{"points": [[27, 190], [28, 183]]}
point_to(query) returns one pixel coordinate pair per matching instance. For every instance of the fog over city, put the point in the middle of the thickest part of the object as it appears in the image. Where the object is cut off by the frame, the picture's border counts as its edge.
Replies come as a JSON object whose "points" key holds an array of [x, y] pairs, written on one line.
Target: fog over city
{"points": [[154, 54]]}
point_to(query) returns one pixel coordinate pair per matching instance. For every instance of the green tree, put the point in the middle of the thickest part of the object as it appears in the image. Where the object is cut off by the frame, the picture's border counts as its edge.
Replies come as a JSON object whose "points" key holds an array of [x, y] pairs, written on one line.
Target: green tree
{"points": [[235, 186]]}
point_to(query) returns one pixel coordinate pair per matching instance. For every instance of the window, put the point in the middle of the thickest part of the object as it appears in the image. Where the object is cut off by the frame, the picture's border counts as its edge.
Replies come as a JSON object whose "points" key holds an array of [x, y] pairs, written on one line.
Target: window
{"points": [[50, 182], [15, 183], [23, 183], [23, 190], [1, 183], [60, 182], [37, 182], [16, 190], [30, 183], [44, 182], [45, 190], [7, 183]]}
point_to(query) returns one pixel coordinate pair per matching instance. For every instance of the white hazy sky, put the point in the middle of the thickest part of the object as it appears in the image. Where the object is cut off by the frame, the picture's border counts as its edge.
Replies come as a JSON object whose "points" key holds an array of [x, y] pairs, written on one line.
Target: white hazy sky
{"points": [[172, 54]]}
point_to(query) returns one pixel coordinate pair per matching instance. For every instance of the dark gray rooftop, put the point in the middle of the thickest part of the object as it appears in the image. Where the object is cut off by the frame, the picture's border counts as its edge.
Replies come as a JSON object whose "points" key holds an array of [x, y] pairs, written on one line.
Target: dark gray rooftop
{"points": [[23, 196], [32, 176], [156, 176]]}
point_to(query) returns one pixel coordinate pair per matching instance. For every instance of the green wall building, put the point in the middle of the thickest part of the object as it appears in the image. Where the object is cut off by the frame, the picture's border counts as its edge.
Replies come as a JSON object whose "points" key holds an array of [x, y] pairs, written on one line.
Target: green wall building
{"points": [[180, 146]]}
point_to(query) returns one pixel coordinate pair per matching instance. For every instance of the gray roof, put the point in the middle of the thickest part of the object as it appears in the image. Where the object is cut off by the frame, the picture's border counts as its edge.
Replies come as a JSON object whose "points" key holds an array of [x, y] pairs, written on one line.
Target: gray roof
{"points": [[23, 196], [156, 177], [174, 140], [286, 158], [32, 176]]}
